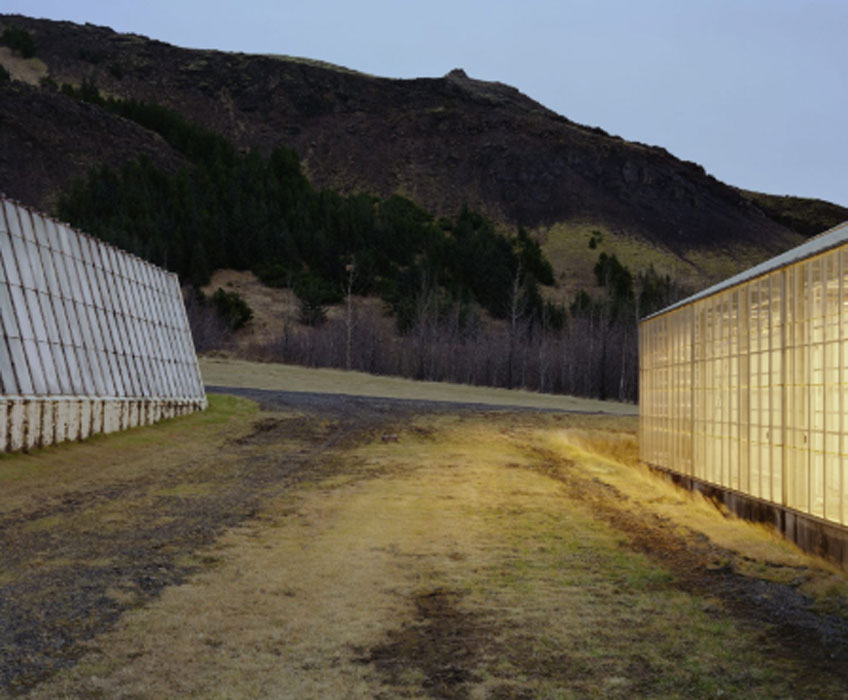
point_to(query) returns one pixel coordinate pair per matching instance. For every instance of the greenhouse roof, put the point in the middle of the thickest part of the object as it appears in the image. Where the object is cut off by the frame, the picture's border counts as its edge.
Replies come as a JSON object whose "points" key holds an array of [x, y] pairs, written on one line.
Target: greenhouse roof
{"points": [[818, 244]]}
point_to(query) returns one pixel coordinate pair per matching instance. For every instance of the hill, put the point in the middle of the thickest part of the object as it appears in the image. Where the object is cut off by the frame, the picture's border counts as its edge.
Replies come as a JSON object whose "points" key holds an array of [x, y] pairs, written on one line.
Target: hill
{"points": [[809, 217], [442, 142], [451, 199]]}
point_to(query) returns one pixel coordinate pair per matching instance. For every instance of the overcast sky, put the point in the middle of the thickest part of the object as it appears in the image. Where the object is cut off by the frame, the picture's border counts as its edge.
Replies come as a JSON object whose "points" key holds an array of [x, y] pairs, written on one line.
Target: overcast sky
{"points": [[754, 90]]}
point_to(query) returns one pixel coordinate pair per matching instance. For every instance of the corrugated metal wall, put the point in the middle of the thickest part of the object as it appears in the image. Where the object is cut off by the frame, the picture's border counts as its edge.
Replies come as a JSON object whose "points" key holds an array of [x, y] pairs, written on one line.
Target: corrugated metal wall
{"points": [[92, 339], [747, 388]]}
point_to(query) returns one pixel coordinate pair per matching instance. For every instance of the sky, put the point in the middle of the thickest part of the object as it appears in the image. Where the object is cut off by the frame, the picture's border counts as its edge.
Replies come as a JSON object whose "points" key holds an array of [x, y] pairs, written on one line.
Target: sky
{"points": [[756, 91]]}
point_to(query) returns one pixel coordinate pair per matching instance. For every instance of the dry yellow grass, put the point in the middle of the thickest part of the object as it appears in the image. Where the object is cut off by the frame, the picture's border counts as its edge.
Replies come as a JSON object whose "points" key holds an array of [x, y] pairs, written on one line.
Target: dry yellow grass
{"points": [[613, 456], [273, 308], [27, 70], [460, 561]]}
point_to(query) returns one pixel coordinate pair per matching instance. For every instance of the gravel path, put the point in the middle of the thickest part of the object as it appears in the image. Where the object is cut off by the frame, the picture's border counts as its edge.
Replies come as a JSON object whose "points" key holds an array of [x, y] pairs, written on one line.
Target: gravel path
{"points": [[349, 405]]}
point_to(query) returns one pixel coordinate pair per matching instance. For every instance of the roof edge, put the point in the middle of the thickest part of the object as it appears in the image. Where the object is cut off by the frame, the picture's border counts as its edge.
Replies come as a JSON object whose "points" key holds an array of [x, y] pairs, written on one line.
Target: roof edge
{"points": [[821, 243]]}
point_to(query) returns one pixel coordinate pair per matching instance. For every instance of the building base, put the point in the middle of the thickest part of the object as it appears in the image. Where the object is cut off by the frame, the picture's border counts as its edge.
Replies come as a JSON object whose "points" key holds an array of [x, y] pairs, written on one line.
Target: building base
{"points": [[820, 537], [28, 422]]}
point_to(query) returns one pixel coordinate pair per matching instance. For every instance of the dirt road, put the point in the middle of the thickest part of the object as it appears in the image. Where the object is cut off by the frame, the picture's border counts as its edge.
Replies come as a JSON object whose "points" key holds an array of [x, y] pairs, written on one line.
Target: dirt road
{"points": [[331, 546]]}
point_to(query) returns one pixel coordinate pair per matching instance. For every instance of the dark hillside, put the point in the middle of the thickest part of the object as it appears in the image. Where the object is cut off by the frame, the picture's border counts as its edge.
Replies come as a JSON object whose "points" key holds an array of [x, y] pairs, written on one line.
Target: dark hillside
{"points": [[442, 142], [809, 217], [334, 184], [48, 139]]}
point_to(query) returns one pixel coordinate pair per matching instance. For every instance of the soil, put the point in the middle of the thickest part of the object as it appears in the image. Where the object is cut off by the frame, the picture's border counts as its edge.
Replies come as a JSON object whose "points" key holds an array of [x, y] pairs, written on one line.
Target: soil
{"points": [[444, 643], [48, 613]]}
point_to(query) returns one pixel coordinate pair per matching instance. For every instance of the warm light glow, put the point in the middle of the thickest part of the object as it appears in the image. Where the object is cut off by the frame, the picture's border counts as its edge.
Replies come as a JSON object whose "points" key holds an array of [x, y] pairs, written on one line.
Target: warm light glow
{"points": [[746, 388]]}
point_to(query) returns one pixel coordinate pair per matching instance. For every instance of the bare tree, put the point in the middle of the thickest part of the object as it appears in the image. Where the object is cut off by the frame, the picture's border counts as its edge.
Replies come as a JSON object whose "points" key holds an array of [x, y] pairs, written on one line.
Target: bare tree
{"points": [[350, 268]]}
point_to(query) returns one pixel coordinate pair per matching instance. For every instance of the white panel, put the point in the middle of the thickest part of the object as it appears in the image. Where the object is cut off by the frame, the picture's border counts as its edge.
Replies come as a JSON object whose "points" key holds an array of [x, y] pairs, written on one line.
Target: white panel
{"points": [[78, 256], [20, 313], [74, 370], [148, 331], [34, 262], [5, 252], [30, 350], [24, 381], [22, 258], [48, 268], [8, 321], [79, 318], [157, 315], [63, 279], [39, 330], [26, 224], [8, 382], [12, 221]]}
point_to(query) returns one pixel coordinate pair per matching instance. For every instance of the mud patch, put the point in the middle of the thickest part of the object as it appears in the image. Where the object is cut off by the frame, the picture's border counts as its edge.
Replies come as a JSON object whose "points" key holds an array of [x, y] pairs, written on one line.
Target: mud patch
{"points": [[440, 648]]}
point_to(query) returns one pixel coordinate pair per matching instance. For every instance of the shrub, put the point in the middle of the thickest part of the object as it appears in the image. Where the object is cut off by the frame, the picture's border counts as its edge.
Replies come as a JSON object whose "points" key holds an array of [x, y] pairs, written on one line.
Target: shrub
{"points": [[232, 308], [93, 56], [276, 274], [18, 40]]}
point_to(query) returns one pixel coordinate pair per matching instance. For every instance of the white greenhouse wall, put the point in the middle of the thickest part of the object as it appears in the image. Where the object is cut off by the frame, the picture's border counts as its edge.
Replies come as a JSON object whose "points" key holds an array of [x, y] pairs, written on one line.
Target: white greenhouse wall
{"points": [[92, 339], [746, 387]]}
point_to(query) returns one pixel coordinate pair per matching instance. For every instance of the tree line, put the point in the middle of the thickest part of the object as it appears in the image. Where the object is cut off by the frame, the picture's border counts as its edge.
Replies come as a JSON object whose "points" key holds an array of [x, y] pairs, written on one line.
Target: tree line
{"points": [[464, 299], [248, 211]]}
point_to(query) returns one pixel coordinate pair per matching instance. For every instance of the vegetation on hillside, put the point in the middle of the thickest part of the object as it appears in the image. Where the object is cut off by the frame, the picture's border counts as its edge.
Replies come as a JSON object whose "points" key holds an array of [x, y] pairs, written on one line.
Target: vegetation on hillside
{"points": [[439, 279], [246, 211], [809, 217], [18, 40]]}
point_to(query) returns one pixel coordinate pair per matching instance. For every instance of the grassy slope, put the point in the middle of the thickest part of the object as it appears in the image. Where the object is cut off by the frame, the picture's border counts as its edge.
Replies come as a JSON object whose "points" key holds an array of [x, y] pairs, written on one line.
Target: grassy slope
{"points": [[28, 70], [466, 560], [567, 247]]}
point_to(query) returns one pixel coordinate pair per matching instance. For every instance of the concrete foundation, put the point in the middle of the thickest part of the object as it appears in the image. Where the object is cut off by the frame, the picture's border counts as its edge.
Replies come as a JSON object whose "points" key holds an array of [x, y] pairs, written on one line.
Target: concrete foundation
{"points": [[31, 422], [812, 534]]}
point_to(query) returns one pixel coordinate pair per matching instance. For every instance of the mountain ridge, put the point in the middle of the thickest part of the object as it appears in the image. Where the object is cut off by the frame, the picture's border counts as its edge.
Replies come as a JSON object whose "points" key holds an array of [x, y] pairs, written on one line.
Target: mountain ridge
{"points": [[443, 142]]}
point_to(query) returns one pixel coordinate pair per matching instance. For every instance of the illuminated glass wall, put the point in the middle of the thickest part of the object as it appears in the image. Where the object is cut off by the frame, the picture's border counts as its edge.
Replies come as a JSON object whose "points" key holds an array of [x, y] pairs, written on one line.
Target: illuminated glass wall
{"points": [[747, 387], [92, 339]]}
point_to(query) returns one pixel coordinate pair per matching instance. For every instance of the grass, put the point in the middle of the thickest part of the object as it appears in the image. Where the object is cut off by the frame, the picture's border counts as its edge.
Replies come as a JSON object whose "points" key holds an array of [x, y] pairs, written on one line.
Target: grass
{"points": [[469, 559], [41, 475], [567, 246], [28, 70], [218, 371], [613, 457]]}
